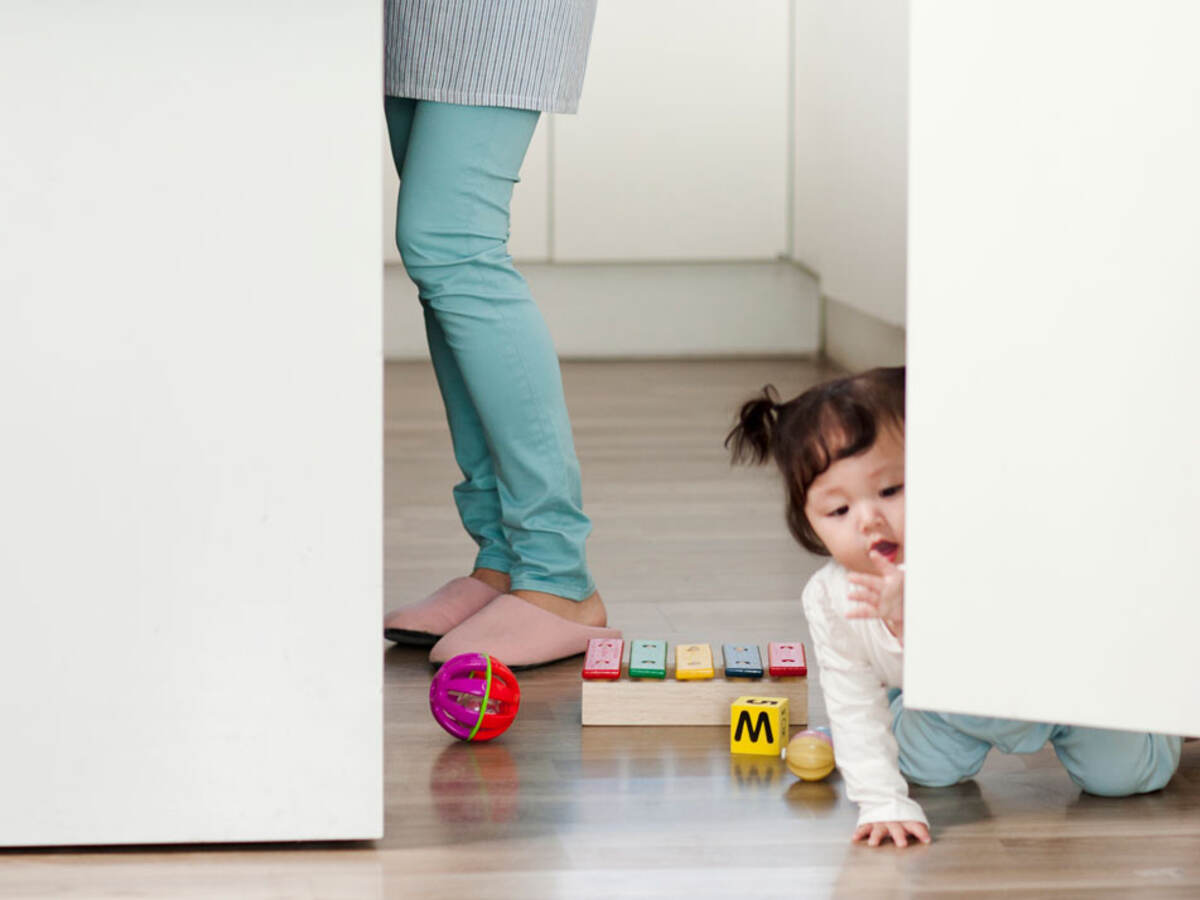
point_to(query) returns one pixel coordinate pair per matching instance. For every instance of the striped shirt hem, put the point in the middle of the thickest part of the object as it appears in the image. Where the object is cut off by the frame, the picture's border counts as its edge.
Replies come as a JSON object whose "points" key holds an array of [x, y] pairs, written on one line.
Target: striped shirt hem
{"points": [[475, 98]]}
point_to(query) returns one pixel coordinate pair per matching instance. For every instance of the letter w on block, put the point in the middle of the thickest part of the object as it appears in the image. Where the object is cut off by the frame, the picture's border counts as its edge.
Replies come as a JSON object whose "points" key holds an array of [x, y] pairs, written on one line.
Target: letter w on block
{"points": [[758, 725]]}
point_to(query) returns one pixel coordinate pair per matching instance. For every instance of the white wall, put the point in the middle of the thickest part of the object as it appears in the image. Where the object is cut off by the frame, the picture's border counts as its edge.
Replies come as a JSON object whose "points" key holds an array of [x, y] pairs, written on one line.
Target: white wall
{"points": [[680, 148], [1053, 324], [189, 370], [851, 150]]}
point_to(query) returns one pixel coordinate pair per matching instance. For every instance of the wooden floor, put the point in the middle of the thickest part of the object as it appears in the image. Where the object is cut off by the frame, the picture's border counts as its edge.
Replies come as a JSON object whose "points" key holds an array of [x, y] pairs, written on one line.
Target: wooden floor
{"points": [[684, 549]]}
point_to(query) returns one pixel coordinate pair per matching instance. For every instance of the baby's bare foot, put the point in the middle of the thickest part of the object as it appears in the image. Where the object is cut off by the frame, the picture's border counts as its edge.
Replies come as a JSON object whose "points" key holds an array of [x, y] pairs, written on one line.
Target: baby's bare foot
{"points": [[589, 611]]}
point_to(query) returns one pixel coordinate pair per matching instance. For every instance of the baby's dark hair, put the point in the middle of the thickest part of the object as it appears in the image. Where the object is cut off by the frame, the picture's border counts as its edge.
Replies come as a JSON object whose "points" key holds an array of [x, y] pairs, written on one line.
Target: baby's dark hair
{"points": [[807, 434]]}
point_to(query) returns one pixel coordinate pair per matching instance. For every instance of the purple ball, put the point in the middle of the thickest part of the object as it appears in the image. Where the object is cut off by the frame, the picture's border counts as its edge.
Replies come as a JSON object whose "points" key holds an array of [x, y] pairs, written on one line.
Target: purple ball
{"points": [[474, 697]]}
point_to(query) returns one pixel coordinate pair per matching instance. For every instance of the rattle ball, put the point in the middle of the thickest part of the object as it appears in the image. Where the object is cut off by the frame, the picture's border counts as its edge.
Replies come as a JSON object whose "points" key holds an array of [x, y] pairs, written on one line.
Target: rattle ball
{"points": [[474, 697], [810, 755]]}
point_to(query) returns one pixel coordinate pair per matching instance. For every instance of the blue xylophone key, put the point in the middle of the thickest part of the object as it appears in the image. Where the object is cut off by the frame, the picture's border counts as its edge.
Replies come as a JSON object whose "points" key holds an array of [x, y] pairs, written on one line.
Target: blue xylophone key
{"points": [[742, 661]]}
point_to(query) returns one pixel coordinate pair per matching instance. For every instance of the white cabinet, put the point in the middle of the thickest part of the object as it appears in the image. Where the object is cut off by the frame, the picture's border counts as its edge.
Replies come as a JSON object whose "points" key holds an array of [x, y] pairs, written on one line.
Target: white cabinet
{"points": [[190, 471], [1053, 322]]}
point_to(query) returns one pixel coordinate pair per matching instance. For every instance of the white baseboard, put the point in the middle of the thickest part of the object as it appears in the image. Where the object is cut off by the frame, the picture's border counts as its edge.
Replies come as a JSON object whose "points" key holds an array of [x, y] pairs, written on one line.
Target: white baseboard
{"points": [[624, 310], [855, 340]]}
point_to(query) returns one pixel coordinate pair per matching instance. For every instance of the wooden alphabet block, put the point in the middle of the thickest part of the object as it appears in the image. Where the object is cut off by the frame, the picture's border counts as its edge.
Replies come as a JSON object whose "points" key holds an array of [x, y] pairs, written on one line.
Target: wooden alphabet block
{"points": [[758, 725]]}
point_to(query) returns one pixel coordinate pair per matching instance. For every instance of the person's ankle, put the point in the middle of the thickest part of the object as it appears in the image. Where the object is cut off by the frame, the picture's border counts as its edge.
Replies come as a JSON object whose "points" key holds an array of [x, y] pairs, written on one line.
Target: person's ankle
{"points": [[589, 611], [493, 578]]}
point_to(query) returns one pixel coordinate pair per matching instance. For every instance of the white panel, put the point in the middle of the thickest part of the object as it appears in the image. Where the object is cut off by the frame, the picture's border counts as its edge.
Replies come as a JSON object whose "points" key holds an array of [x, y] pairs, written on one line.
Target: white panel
{"points": [[190, 378], [530, 204], [680, 147], [530, 217], [850, 150], [1053, 324], [403, 321], [391, 192]]}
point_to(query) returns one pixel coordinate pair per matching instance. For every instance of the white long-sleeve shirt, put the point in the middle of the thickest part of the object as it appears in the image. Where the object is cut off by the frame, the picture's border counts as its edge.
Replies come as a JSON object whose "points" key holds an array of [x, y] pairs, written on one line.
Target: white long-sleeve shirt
{"points": [[859, 660]]}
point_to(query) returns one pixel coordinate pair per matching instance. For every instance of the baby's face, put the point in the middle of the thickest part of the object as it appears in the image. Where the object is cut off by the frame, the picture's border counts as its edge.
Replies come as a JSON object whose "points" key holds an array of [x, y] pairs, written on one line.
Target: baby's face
{"points": [[858, 503]]}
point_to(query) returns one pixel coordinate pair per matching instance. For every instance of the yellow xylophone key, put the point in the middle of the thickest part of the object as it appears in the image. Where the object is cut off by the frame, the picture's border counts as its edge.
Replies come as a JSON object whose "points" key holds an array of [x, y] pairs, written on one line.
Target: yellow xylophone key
{"points": [[693, 662]]}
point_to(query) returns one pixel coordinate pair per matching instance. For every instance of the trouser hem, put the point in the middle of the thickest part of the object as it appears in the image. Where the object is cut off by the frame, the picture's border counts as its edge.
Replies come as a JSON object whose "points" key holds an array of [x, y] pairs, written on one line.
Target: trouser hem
{"points": [[499, 563], [575, 590]]}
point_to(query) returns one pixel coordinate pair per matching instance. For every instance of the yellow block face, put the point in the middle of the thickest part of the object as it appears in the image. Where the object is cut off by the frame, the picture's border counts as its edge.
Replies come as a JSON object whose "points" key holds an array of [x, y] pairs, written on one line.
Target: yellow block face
{"points": [[693, 662], [758, 725]]}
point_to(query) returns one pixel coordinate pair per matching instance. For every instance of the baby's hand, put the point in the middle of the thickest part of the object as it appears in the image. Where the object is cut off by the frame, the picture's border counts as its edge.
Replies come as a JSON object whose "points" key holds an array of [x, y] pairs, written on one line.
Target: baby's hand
{"points": [[879, 596], [897, 831]]}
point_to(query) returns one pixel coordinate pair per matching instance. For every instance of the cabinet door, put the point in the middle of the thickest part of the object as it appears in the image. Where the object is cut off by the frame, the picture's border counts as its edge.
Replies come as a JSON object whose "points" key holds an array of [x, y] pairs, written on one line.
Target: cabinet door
{"points": [[679, 150], [190, 474], [1053, 481]]}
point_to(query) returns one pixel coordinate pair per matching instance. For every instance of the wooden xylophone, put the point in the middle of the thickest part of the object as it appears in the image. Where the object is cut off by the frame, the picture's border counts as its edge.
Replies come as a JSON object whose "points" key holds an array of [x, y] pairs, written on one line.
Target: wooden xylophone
{"points": [[649, 687]]}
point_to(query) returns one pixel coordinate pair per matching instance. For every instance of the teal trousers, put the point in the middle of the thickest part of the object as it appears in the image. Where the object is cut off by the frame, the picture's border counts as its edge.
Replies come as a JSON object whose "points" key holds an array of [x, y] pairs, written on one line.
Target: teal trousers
{"points": [[520, 497], [939, 749]]}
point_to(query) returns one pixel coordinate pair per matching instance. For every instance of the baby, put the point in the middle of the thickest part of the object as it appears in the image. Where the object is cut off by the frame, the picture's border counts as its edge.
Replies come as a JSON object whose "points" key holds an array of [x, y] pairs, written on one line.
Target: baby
{"points": [[840, 447]]}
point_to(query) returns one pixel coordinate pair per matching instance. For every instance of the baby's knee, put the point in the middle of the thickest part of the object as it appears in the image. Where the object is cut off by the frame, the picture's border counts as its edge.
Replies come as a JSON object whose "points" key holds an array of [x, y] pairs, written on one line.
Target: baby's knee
{"points": [[1125, 782], [930, 765], [1118, 784], [933, 776], [1136, 773], [933, 753]]}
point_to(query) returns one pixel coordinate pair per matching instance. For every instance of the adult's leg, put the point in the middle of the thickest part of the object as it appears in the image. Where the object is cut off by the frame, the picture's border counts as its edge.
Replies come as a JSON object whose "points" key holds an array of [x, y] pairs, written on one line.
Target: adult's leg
{"points": [[459, 170], [476, 495]]}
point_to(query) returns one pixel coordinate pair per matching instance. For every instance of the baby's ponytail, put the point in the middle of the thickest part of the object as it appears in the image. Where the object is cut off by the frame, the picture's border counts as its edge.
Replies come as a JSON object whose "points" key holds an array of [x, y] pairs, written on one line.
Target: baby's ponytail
{"points": [[753, 438], [807, 434]]}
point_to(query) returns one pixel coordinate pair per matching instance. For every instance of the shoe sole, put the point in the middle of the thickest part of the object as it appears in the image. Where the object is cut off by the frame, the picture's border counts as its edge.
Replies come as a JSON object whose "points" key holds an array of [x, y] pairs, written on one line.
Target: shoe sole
{"points": [[411, 638]]}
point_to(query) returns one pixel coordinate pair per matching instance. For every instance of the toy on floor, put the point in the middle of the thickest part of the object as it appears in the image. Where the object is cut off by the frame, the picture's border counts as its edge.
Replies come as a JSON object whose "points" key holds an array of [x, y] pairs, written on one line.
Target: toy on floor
{"points": [[474, 697], [654, 689], [810, 754], [758, 725]]}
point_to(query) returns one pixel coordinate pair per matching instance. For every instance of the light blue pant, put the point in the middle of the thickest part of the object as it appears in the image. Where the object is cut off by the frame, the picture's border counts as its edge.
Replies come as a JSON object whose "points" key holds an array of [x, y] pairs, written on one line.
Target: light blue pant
{"points": [[939, 749], [520, 497]]}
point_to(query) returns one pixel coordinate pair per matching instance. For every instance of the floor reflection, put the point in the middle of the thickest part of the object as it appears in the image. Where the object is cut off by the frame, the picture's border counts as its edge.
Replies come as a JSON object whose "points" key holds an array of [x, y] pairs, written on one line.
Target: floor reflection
{"points": [[475, 783]]}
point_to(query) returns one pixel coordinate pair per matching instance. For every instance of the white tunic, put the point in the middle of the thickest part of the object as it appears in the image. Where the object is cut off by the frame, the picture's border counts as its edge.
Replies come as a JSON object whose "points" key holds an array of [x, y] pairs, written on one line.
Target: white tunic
{"points": [[859, 659]]}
